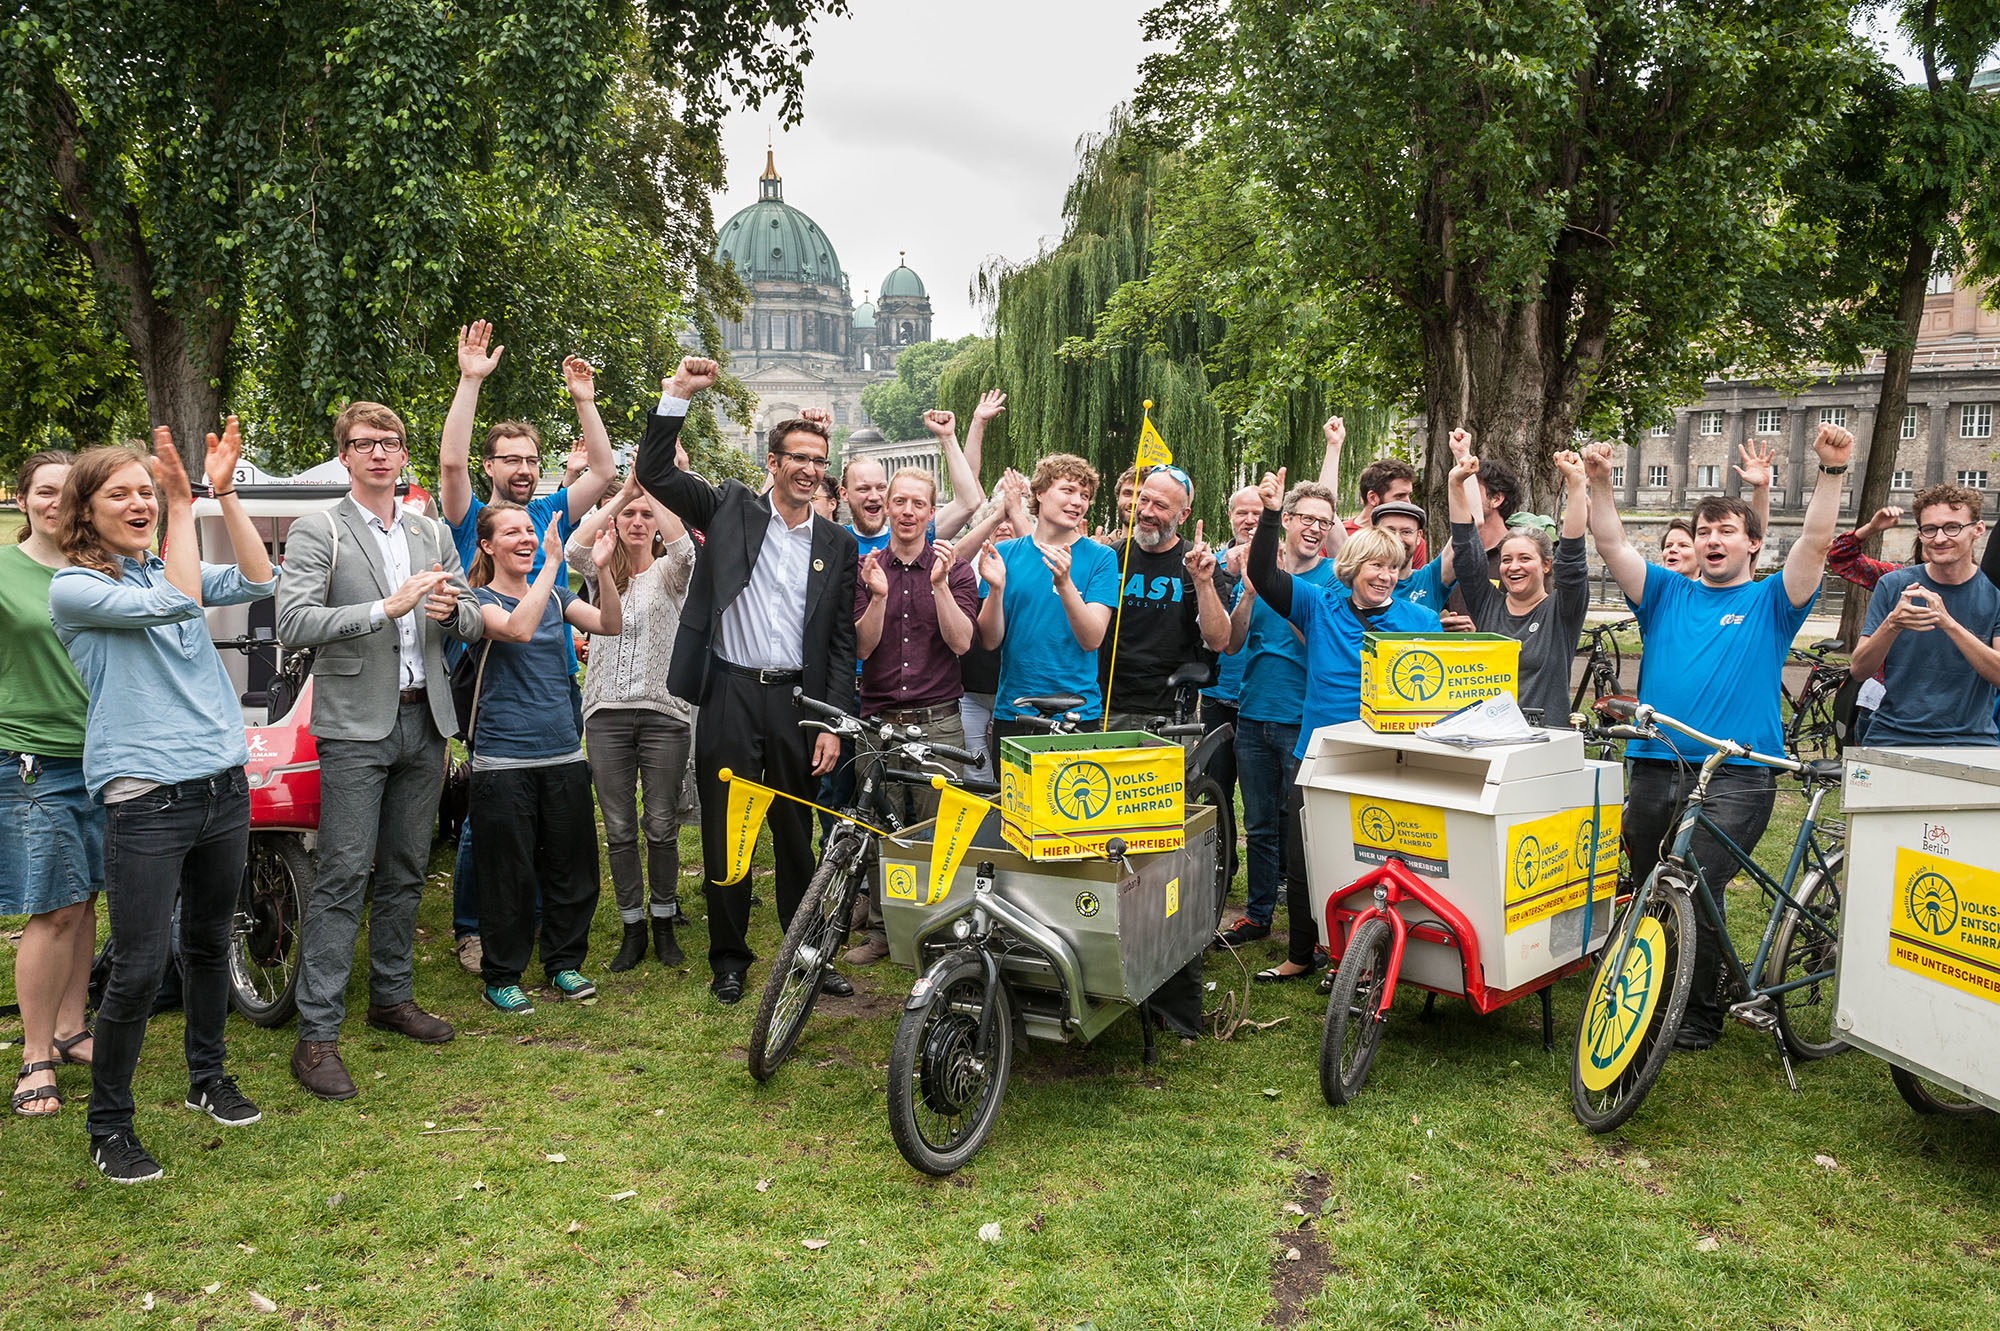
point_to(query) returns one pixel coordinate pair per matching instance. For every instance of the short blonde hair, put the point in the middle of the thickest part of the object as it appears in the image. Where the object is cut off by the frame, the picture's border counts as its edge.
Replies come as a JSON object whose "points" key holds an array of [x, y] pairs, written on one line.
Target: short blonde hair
{"points": [[1369, 545], [924, 474]]}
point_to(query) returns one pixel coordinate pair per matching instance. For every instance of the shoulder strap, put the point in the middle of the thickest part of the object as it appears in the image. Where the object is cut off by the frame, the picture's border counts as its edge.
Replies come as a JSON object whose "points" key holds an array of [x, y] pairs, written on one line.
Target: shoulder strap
{"points": [[333, 554], [478, 678]]}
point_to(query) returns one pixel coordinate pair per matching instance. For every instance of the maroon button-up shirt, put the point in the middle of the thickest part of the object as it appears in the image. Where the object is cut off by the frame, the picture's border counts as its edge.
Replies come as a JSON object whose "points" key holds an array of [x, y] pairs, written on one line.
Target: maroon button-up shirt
{"points": [[911, 666]]}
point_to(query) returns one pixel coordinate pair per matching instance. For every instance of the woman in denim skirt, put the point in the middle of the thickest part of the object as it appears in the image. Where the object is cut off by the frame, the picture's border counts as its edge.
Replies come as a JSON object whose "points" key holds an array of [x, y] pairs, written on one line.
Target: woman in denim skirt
{"points": [[51, 835], [163, 751]]}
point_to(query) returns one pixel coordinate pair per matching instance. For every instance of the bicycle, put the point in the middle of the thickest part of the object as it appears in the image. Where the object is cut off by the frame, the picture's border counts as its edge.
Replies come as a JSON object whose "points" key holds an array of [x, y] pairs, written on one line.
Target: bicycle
{"points": [[1601, 675], [1818, 724], [819, 926], [1639, 991]]}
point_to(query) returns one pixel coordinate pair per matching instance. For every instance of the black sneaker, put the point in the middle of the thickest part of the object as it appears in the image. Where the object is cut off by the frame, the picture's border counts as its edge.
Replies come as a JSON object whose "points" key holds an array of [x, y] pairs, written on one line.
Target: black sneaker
{"points": [[120, 1158], [220, 1100], [1245, 930]]}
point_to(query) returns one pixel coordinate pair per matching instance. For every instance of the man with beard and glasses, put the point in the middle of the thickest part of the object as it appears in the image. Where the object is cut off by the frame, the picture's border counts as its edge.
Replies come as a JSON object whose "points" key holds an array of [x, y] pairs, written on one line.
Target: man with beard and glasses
{"points": [[1171, 612]]}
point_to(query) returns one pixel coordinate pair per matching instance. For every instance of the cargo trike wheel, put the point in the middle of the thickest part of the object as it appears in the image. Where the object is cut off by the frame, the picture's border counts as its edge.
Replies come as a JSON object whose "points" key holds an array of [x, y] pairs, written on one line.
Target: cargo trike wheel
{"points": [[1805, 1014], [1638, 994], [943, 1098], [264, 939], [819, 926], [1353, 1032], [1207, 790], [1927, 1097]]}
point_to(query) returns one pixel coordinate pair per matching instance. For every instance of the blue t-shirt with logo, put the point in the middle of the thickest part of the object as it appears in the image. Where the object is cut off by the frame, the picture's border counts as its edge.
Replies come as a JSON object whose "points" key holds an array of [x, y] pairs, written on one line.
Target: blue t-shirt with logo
{"points": [[1039, 654], [1934, 697], [1333, 650], [1713, 659], [1426, 587], [1274, 658], [465, 532], [1228, 684]]}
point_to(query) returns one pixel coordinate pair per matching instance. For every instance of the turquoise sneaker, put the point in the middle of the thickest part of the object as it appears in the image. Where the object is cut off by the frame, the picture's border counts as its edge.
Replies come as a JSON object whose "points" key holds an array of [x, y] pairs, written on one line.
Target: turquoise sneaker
{"points": [[572, 985], [510, 999]]}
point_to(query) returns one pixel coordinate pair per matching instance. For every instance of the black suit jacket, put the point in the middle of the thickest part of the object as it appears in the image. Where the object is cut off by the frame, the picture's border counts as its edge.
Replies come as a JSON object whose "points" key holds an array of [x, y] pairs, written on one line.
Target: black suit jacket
{"points": [[733, 520]]}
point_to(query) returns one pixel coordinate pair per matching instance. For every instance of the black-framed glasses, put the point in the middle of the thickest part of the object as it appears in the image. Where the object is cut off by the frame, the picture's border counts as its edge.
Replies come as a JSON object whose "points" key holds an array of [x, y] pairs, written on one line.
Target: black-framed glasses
{"points": [[389, 445], [808, 460], [1307, 520], [1930, 531], [517, 459]]}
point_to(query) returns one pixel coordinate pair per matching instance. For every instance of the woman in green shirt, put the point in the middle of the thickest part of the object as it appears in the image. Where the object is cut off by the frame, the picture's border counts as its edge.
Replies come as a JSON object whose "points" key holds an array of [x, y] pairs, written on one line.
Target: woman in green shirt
{"points": [[51, 835]]}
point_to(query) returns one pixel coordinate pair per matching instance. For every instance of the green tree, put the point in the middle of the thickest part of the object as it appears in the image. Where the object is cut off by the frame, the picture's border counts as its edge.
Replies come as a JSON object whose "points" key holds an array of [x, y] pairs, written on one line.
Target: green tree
{"points": [[897, 406], [301, 192], [1528, 220], [66, 378]]}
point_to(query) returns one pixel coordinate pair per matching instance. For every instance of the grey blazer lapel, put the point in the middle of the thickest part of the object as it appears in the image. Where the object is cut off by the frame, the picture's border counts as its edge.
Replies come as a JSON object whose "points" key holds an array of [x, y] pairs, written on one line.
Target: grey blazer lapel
{"points": [[364, 540]]}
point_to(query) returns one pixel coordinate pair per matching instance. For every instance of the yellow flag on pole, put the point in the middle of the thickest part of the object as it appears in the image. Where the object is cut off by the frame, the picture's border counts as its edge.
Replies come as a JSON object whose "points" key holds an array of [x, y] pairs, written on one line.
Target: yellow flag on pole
{"points": [[1152, 449], [747, 803], [958, 819]]}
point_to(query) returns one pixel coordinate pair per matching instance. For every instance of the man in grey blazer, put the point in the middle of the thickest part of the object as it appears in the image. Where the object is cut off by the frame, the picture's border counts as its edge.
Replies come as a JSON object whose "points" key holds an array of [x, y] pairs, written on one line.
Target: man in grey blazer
{"points": [[377, 589]]}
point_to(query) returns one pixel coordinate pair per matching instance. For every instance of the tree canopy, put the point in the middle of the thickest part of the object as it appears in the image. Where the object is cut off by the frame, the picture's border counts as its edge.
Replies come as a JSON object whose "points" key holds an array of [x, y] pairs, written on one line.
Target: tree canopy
{"points": [[897, 406]]}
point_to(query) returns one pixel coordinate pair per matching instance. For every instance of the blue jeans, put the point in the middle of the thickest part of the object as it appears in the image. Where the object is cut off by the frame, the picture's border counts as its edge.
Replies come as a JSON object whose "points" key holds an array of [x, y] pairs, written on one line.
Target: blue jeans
{"points": [[465, 885], [189, 840], [1264, 768]]}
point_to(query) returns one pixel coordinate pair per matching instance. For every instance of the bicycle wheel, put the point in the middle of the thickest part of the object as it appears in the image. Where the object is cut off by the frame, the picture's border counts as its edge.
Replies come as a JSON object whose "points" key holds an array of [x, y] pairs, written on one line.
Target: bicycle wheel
{"points": [[1347, 1046], [1638, 994], [1207, 790], [819, 926], [264, 938], [1805, 1014], [1810, 731], [1927, 1097], [942, 1099]]}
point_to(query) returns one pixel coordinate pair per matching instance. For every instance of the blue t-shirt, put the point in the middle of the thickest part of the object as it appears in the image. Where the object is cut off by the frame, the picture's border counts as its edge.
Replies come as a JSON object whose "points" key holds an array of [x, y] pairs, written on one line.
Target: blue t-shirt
{"points": [[1039, 654], [1426, 587], [1333, 650], [1712, 659], [465, 532], [1274, 658], [1932, 695], [526, 708]]}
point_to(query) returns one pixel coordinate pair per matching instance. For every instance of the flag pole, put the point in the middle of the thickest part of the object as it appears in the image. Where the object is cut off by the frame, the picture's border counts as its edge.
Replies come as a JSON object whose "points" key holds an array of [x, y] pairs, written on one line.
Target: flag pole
{"points": [[1124, 566]]}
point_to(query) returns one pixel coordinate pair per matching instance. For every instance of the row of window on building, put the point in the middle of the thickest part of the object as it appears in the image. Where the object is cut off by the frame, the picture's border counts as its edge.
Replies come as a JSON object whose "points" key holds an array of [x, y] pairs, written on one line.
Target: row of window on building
{"points": [[1975, 421], [1709, 476]]}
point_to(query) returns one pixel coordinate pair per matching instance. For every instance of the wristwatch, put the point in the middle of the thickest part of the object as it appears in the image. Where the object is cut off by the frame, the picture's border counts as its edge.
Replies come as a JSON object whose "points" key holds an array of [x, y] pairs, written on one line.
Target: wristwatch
{"points": [[1833, 471]]}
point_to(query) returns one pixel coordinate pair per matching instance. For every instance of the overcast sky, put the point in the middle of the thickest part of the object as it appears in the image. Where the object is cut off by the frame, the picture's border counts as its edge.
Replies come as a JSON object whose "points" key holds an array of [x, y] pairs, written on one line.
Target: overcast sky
{"points": [[944, 131], [919, 136]]}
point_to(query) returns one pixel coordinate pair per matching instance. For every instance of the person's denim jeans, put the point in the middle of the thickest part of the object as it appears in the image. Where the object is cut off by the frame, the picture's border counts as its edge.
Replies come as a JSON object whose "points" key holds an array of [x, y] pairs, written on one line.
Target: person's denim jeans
{"points": [[537, 833], [1264, 769], [629, 746], [465, 885], [1739, 802], [190, 841]]}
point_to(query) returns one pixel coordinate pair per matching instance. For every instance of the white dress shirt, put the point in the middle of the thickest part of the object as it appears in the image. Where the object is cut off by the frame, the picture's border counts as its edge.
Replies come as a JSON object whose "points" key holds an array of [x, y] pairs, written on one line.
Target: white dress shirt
{"points": [[393, 544]]}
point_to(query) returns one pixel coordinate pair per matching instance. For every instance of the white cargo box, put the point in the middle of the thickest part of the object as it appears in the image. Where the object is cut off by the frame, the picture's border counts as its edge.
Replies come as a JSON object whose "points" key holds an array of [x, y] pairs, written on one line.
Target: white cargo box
{"points": [[1503, 832], [1919, 979]]}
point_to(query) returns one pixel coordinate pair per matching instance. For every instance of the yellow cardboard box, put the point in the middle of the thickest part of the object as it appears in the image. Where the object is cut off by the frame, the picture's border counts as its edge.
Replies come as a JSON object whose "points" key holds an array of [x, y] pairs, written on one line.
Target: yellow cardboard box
{"points": [[1415, 679], [1062, 797]]}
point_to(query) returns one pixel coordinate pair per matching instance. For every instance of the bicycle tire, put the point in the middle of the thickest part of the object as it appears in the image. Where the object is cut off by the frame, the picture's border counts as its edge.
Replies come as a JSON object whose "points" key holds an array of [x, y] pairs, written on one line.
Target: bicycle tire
{"points": [[933, 1078], [1350, 1011], [1929, 1098], [1205, 789], [1805, 1016], [264, 959], [818, 927], [1628, 1025], [1810, 731]]}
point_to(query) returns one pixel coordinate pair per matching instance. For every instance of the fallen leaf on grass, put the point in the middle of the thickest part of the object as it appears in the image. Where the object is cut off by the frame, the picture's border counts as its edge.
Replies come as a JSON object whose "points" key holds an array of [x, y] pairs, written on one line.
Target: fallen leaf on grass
{"points": [[624, 1196], [1292, 1254], [1641, 1162], [146, 1302], [763, 1185], [380, 1075], [1270, 1092], [335, 1200], [1293, 1208], [262, 1304], [814, 1244], [312, 1289], [1707, 1243], [1035, 1225], [575, 1227], [246, 1249], [479, 1185], [990, 1232], [555, 1157], [1826, 1162], [212, 1144], [429, 1123], [210, 1289]]}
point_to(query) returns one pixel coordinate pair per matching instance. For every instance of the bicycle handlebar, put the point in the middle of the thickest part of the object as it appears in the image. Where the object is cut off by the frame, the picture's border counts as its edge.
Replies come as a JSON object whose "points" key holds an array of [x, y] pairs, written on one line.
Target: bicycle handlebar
{"points": [[971, 784], [1647, 722]]}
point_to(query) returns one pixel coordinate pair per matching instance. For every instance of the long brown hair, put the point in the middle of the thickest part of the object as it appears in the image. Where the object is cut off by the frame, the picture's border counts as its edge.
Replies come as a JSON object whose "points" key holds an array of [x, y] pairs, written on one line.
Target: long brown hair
{"points": [[75, 533], [25, 478], [481, 571], [619, 566]]}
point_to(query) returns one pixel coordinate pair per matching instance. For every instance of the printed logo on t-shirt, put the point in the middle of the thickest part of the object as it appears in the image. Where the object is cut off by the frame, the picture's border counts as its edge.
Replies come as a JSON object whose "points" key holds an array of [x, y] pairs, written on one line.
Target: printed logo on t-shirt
{"points": [[1160, 589], [1728, 620]]}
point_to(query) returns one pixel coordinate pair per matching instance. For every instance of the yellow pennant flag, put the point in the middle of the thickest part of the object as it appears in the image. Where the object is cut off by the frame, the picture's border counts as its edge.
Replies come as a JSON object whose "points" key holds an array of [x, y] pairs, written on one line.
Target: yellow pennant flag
{"points": [[958, 819], [747, 803], [1152, 449]]}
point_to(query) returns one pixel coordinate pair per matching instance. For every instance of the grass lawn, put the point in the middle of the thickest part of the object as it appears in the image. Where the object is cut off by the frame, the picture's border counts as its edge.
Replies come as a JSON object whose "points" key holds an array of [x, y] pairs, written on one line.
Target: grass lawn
{"points": [[614, 1165]]}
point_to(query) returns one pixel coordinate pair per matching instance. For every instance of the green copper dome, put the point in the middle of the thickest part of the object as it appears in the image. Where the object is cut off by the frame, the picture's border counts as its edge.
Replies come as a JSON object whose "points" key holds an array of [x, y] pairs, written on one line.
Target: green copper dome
{"points": [[773, 241], [864, 313], [902, 284]]}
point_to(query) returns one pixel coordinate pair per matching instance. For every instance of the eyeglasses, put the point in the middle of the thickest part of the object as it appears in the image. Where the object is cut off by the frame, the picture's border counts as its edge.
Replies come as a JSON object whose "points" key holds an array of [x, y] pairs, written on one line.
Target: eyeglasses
{"points": [[1318, 524], [1930, 531], [516, 459], [388, 445], [810, 461]]}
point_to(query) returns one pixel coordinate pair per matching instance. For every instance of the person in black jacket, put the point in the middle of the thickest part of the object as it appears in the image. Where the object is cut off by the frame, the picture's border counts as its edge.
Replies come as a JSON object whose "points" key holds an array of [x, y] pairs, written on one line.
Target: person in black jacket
{"points": [[770, 607]]}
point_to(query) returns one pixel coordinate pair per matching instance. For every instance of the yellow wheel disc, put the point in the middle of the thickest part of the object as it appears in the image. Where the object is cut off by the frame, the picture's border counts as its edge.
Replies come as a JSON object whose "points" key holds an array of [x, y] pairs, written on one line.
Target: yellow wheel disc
{"points": [[1621, 1006]]}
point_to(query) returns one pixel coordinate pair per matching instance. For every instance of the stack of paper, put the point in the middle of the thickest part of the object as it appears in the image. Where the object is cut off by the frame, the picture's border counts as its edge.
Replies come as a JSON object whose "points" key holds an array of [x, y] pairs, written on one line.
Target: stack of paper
{"points": [[1494, 720]]}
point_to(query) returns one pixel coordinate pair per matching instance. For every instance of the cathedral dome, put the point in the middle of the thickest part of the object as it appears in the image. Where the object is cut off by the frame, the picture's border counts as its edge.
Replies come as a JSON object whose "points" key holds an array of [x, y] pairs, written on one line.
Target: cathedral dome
{"points": [[903, 284], [864, 313], [772, 241]]}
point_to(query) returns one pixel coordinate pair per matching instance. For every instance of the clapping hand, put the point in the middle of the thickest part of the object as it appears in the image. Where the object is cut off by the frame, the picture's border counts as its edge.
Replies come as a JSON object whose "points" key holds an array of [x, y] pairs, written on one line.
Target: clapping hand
{"points": [[992, 569], [602, 548], [417, 588], [223, 455], [1057, 557], [942, 555], [552, 542], [1199, 559], [441, 603], [873, 576], [474, 362], [169, 476]]}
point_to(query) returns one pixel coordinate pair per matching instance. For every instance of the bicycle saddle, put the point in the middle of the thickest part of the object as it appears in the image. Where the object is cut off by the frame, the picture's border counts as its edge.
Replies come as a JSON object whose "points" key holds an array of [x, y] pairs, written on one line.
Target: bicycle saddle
{"points": [[1193, 675], [1053, 704], [1828, 645], [1823, 769]]}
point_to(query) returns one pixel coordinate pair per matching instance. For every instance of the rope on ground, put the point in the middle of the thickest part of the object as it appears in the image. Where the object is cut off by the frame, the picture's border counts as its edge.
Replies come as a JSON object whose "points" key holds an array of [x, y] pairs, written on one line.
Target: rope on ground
{"points": [[1232, 1013]]}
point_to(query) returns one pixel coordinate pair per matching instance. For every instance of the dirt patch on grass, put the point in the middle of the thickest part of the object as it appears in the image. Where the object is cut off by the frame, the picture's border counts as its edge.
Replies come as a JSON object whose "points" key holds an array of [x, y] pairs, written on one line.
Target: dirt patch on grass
{"points": [[866, 1003], [1303, 1260]]}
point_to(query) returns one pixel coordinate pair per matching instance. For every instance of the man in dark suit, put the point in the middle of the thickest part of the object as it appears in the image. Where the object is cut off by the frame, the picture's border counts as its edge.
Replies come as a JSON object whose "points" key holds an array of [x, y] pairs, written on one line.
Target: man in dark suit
{"points": [[770, 608]]}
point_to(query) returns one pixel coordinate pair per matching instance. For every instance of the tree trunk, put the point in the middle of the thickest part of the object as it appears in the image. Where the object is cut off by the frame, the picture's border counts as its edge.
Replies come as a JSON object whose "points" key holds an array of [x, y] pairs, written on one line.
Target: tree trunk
{"points": [[1489, 372], [1883, 444]]}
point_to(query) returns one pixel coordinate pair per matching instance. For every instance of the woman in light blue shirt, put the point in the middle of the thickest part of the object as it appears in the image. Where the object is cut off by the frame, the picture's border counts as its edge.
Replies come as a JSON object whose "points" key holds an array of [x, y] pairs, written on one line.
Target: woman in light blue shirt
{"points": [[163, 751]]}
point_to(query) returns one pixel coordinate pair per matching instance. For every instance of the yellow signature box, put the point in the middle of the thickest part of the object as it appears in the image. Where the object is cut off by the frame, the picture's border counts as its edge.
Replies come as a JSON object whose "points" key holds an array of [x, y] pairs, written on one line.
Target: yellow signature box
{"points": [[1410, 680], [1063, 797]]}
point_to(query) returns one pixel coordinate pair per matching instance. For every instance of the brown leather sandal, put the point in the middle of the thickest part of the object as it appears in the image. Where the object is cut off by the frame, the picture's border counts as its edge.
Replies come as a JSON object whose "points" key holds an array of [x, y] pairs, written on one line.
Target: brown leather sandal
{"points": [[22, 1099]]}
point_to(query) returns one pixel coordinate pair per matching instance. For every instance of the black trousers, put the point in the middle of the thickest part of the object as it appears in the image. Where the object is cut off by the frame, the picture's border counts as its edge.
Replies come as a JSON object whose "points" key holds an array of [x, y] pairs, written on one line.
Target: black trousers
{"points": [[534, 829], [753, 730]]}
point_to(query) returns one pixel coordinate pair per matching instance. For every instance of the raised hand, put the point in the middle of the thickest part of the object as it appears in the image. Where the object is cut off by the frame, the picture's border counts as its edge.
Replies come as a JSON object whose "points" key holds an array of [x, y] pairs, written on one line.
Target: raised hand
{"points": [[818, 416], [1057, 557], [695, 373], [602, 548], [223, 455], [1199, 559], [942, 554], [873, 576], [474, 361], [992, 569], [170, 478], [552, 542], [1335, 431], [1272, 489], [1756, 468], [1597, 461], [1571, 466], [1834, 445], [1460, 442], [943, 424], [1462, 466], [579, 379], [1885, 518], [991, 403]]}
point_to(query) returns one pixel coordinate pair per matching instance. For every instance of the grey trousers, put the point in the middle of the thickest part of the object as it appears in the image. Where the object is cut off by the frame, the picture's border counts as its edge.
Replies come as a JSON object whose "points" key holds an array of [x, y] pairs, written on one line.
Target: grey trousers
{"points": [[918, 805], [378, 806], [630, 747]]}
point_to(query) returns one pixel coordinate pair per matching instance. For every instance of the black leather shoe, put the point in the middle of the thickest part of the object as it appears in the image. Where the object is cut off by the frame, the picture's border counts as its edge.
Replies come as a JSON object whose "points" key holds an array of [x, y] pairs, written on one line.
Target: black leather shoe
{"points": [[664, 946], [835, 985], [727, 987]]}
